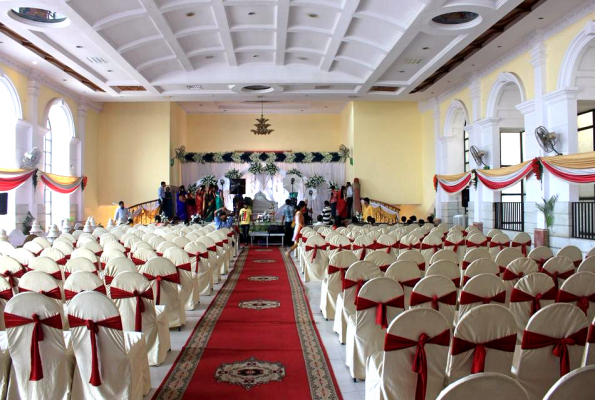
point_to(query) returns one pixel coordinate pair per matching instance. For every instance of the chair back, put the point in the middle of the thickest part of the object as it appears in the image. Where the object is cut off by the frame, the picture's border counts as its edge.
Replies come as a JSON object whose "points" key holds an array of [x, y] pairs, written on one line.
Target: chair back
{"points": [[79, 264], [140, 245], [84, 253], [141, 256], [448, 269], [474, 254], [429, 246], [407, 274], [499, 242], [515, 270], [64, 246], [181, 242], [33, 247], [481, 266], [94, 247], [481, 289], [170, 236], [155, 241], [492, 386], [107, 238], [436, 292], [506, 256], [541, 254], [413, 333], [21, 255], [445, 254], [114, 246], [54, 254], [362, 245], [109, 254], [410, 242], [132, 294], [43, 242], [493, 232], [530, 294], [356, 276], [553, 344], [579, 290], [476, 240], [591, 253], [415, 256], [574, 253], [572, 385], [6, 294], [82, 281], [559, 268], [587, 265], [115, 266], [388, 243], [11, 270], [338, 243], [49, 266], [165, 282], [455, 241], [381, 259]]}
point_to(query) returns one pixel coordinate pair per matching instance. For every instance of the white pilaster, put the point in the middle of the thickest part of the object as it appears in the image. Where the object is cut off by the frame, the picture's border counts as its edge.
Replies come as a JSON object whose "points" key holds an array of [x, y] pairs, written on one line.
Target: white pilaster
{"points": [[79, 148], [437, 153], [33, 88]]}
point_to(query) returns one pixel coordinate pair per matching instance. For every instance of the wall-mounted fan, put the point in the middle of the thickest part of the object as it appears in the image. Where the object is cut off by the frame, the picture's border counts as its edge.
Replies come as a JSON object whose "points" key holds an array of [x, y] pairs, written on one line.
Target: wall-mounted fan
{"points": [[546, 139], [31, 159], [345, 153], [478, 155]]}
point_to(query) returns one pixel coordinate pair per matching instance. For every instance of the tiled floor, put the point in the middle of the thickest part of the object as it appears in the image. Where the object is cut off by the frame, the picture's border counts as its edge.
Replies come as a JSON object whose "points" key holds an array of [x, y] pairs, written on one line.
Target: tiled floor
{"points": [[336, 352]]}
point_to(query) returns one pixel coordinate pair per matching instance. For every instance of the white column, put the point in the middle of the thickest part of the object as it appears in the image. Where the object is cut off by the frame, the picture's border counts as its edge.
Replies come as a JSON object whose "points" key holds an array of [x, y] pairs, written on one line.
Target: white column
{"points": [[437, 153], [490, 143], [475, 139], [33, 88], [79, 149]]}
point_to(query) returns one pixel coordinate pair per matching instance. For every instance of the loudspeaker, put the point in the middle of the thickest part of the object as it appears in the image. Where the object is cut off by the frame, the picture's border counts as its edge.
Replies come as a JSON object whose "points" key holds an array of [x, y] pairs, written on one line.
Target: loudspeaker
{"points": [[3, 203], [465, 198]]}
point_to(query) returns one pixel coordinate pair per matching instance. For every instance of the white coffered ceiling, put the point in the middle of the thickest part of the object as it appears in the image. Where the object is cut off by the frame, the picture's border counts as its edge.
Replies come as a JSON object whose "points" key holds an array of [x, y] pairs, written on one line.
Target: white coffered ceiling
{"points": [[209, 50]]}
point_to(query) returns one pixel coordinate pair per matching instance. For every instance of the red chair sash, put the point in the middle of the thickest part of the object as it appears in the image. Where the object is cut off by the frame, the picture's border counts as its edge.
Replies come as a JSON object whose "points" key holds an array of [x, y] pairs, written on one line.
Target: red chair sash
{"points": [[523, 246], [582, 302], [108, 279], [159, 254], [506, 343], [314, 249], [387, 247], [509, 275], [6, 294], [69, 294], [420, 361], [332, 270], [185, 267], [466, 264], [348, 283], [383, 268], [532, 340], [540, 263], [52, 294], [363, 248], [137, 261], [577, 263], [340, 247], [212, 248], [11, 276], [204, 255], [455, 245], [117, 293], [174, 278], [93, 327], [501, 246], [426, 246], [418, 298], [219, 244], [381, 308], [62, 261], [403, 246], [457, 282], [421, 266], [470, 298], [410, 283], [591, 337], [13, 321], [480, 244], [518, 296], [557, 275]]}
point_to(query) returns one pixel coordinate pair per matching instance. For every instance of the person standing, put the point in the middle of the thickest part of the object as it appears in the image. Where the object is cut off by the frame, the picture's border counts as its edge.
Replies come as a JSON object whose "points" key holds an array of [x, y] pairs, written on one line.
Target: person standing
{"points": [[334, 198], [367, 209], [326, 213], [181, 206], [168, 203], [210, 202], [161, 196], [287, 220], [299, 224], [341, 205], [122, 214], [199, 198], [349, 200], [245, 220]]}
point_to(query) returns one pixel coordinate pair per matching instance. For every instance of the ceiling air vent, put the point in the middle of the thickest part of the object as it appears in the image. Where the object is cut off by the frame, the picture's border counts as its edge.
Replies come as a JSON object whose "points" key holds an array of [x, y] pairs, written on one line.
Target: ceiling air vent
{"points": [[96, 60], [193, 87], [322, 87], [129, 88], [413, 61], [384, 89]]}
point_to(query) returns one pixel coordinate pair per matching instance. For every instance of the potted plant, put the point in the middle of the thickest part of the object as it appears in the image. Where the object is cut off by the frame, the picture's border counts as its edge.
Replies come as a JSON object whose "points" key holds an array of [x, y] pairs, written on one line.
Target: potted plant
{"points": [[542, 236]]}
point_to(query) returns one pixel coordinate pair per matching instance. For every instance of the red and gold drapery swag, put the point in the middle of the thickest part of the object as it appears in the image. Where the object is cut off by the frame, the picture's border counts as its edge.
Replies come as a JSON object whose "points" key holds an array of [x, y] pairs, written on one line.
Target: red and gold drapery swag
{"points": [[11, 179], [573, 168]]}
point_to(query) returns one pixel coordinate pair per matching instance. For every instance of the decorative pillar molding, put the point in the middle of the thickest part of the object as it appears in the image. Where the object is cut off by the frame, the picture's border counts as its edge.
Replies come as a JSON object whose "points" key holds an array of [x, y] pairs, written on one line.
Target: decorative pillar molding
{"points": [[435, 106]]}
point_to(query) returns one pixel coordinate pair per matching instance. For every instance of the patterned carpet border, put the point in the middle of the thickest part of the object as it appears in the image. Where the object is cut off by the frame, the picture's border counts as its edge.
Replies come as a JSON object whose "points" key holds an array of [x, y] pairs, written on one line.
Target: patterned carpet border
{"points": [[323, 385], [179, 376]]}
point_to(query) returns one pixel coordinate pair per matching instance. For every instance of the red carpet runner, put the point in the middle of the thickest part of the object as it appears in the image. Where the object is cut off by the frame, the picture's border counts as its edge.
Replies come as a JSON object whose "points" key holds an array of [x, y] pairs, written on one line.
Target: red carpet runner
{"points": [[257, 340]]}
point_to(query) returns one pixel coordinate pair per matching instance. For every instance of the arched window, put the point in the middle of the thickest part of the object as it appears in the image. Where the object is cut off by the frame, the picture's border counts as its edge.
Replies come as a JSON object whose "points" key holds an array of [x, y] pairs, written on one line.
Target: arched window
{"points": [[10, 112], [56, 151]]}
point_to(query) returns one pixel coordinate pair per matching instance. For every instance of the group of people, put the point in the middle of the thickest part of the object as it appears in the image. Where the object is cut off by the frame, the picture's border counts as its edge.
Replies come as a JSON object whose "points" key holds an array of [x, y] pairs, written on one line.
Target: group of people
{"points": [[205, 202]]}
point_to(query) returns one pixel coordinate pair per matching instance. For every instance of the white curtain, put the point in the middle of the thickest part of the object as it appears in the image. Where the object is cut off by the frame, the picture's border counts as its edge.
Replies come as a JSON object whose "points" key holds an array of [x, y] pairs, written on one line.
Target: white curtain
{"points": [[273, 188]]}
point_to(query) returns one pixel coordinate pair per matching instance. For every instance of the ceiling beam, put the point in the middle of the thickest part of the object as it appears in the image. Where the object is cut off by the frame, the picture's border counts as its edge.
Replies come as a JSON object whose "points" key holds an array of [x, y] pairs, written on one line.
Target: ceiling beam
{"points": [[223, 23], [345, 18], [282, 23], [159, 21]]}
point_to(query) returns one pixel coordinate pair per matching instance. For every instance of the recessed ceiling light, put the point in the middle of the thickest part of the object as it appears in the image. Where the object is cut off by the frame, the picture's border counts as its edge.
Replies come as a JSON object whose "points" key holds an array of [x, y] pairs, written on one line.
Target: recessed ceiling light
{"points": [[303, 58], [34, 62], [190, 14], [540, 18], [251, 13], [401, 71], [110, 70], [313, 15], [255, 56], [209, 57], [63, 80], [425, 48], [499, 46]]}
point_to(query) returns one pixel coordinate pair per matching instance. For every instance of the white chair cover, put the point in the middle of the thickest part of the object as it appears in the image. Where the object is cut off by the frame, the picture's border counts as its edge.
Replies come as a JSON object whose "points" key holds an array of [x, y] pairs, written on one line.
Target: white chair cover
{"points": [[6, 248], [506, 256], [489, 385], [43, 242], [448, 269], [429, 246], [407, 274], [573, 253], [541, 254], [54, 254], [140, 245], [315, 259], [114, 267], [437, 292], [82, 281], [79, 264], [476, 240], [481, 266], [529, 295], [6, 294], [53, 379], [48, 266], [11, 270], [381, 259], [114, 246], [587, 265], [188, 278], [410, 242], [573, 385], [559, 268], [515, 270], [155, 241], [121, 356], [201, 266], [22, 255], [388, 244], [64, 246], [332, 285], [455, 241], [542, 361], [108, 255], [579, 290], [214, 260], [85, 253], [223, 249], [445, 254], [522, 241], [481, 289], [33, 247], [362, 245], [338, 243], [165, 281], [591, 253], [498, 243], [474, 254], [141, 256], [415, 256], [484, 341]]}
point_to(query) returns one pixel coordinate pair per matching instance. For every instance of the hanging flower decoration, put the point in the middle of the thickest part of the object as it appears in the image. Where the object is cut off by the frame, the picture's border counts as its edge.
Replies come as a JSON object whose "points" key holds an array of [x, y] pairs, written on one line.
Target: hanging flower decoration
{"points": [[233, 173], [271, 169], [435, 183], [315, 181], [246, 157], [295, 171], [209, 180], [255, 168], [84, 183], [537, 168]]}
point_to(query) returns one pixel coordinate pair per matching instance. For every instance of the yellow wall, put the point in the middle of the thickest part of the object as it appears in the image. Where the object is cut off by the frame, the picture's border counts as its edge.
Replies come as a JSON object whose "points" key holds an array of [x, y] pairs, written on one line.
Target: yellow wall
{"points": [[222, 132], [91, 160], [178, 137], [134, 149]]}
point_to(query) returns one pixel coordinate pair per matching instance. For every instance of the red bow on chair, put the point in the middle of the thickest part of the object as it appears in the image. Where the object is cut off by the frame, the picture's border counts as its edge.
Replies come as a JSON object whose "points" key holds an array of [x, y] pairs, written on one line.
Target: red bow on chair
{"points": [[174, 278], [403, 246], [381, 308], [532, 340], [69, 294], [185, 267], [420, 361], [108, 279], [502, 246], [540, 263], [465, 265], [93, 327], [480, 244], [523, 246], [204, 255], [509, 275], [348, 283], [506, 343], [304, 239], [518, 296], [137, 261], [6, 294], [383, 268], [455, 245], [212, 248], [363, 248], [56, 275], [555, 275], [61, 261], [340, 247], [11, 276], [387, 247], [332, 269], [469, 298], [426, 246], [582, 302], [314, 249], [13, 321], [117, 293], [410, 283], [591, 337], [418, 298], [219, 244], [52, 294]]}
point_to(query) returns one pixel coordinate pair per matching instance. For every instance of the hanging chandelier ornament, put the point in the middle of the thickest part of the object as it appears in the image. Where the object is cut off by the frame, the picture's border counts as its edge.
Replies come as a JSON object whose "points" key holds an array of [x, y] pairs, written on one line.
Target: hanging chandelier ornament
{"points": [[262, 127]]}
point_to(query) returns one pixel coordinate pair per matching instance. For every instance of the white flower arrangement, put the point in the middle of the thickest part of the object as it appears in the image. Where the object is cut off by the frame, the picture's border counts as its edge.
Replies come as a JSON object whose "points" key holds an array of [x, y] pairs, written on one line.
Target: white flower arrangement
{"points": [[233, 173], [198, 158], [289, 156], [209, 180], [255, 168], [327, 157], [315, 181], [271, 156], [237, 158], [218, 157], [255, 157], [309, 157], [271, 168], [295, 171]]}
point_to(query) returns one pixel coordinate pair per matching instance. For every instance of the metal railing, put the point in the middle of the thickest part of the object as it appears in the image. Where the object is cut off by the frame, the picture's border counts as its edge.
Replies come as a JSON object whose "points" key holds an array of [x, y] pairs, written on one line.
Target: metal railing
{"points": [[144, 213], [384, 217], [509, 216], [583, 220]]}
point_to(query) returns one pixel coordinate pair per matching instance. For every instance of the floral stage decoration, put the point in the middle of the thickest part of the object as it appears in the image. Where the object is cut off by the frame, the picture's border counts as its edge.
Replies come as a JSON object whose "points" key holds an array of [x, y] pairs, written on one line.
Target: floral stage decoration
{"points": [[233, 173], [315, 181], [295, 171], [209, 180], [255, 168], [267, 157], [271, 168]]}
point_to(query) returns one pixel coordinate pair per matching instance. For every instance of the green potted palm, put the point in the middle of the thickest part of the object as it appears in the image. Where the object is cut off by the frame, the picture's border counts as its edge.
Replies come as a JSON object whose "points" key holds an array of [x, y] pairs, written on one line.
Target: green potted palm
{"points": [[542, 236]]}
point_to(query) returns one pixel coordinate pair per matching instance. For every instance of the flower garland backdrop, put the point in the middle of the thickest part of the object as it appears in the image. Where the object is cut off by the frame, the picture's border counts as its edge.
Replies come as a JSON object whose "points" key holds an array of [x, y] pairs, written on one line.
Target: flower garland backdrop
{"points": [[256, 156]]}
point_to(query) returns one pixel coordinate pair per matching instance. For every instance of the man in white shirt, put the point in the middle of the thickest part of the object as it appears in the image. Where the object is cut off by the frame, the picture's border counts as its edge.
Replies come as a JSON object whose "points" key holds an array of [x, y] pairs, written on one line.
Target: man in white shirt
{"points": [[349, 199], [122, 214]]}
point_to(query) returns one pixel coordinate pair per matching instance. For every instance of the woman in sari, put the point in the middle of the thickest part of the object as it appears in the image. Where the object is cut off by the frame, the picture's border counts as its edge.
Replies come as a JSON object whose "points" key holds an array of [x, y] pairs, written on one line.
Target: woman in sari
{"points": [[210, 204], [299, 224], [181, 206], [200, 200], [168, 203]]}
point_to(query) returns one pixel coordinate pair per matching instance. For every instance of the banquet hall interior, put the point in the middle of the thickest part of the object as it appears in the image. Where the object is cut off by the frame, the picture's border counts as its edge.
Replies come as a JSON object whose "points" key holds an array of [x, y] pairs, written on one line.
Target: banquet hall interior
{"points": [[295, 199]]}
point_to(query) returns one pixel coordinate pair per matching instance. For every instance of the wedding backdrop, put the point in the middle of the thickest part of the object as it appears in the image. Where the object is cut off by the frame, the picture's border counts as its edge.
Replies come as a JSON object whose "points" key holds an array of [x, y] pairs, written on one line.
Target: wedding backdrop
{"points": [[271, 186]]}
